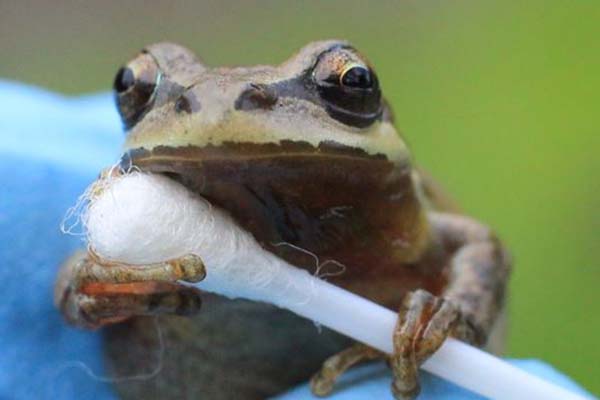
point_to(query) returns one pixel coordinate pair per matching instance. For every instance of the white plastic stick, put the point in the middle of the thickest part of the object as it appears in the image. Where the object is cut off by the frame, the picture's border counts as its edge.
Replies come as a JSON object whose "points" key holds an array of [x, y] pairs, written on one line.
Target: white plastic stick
{"points": [[143, 218]]}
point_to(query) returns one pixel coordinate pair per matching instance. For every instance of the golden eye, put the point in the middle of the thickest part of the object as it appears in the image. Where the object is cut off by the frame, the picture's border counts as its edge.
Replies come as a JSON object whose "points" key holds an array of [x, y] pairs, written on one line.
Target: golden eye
{"points": [[356, 76], [347, 87]]}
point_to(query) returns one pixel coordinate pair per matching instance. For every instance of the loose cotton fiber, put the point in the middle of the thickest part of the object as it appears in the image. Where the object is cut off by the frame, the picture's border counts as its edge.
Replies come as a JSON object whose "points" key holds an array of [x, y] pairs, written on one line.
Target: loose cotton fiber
{"points": [[141, 218]]}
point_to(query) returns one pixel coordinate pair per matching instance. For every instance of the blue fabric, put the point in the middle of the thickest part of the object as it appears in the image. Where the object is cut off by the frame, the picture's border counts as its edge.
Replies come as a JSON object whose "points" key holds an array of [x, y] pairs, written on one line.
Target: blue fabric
{"points": [[51, 148]]}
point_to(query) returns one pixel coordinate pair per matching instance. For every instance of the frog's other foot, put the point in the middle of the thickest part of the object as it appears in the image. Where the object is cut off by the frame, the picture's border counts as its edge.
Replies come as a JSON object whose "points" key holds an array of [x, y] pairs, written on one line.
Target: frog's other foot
{"points": [[91, 293], [321, 384], [424, 322]]}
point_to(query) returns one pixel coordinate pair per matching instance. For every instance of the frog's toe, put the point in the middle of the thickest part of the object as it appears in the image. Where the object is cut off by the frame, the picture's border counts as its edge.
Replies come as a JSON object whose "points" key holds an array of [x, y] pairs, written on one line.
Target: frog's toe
{"points": [[424, 323], [191, 267], [91, 294], [147, 299], [322, 383]]}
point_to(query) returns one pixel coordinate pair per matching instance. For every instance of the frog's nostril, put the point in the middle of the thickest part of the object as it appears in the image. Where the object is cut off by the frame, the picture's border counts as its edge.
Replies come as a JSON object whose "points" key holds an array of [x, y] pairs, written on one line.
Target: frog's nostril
{"points": [[256, 96], [187, 102]]}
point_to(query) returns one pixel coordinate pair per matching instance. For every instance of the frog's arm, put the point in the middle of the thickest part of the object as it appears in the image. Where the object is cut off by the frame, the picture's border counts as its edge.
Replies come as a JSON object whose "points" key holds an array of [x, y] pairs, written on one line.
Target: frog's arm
{"points": [[468, 308], [479, 269]]}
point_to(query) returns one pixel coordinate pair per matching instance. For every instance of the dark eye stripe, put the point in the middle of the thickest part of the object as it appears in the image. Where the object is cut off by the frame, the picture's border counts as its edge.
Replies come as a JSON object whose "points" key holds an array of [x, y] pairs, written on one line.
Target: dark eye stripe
{"points": [[303, 87]]}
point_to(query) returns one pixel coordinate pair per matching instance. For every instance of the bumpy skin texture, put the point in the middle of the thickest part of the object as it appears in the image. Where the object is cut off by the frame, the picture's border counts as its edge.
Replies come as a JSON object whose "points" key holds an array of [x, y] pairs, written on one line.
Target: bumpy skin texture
{"points": [[304, 153]]}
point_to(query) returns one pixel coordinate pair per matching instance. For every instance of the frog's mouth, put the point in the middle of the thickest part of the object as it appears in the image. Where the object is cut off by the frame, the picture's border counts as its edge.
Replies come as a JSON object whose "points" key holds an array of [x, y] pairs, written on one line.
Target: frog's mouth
{"points": [[294, 192], [285, 169]]}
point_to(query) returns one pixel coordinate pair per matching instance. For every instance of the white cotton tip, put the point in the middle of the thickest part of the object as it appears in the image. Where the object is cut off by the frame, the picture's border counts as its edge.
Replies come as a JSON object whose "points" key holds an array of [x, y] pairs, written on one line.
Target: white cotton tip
{"points": [[143, 218]]}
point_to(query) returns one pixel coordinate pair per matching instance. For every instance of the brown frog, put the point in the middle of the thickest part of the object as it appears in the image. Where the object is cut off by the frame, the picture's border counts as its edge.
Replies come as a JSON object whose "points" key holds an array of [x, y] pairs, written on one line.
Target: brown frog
{"points": [[303, 154]]}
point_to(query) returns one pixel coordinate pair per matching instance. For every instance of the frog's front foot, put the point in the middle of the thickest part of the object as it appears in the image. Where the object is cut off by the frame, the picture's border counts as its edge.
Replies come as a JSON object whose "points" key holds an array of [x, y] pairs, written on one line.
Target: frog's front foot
{"points": [[424, 322], [91, 292]]}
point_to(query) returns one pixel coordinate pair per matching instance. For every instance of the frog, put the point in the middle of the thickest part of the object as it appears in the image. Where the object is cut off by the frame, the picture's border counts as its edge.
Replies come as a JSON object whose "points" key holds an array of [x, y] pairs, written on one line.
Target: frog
{"points": [[305, 156]]}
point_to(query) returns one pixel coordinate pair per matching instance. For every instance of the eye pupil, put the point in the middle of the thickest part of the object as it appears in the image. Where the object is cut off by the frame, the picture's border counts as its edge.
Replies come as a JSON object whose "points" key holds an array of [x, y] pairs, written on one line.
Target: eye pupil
{"points": [[124, 80], [357, 77]]}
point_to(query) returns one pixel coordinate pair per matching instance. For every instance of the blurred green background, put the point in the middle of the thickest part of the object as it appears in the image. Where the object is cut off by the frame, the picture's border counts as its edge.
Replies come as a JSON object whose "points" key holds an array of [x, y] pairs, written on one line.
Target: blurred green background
{"points": [[500, 100]]}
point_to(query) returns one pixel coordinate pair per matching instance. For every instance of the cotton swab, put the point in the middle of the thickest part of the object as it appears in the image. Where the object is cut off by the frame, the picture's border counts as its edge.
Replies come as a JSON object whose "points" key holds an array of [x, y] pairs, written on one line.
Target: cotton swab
{"points": [[142, 218]]}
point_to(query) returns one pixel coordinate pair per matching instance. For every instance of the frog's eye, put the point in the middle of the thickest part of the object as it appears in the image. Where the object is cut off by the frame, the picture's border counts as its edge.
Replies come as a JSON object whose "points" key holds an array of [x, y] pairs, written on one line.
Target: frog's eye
{"points": [[135, 86], [348, 87], [357, 76], [124, 80]]}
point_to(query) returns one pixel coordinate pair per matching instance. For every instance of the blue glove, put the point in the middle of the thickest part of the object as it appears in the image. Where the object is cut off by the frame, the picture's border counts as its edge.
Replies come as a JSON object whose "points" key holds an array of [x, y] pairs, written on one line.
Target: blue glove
{"points": [[51, 148]]}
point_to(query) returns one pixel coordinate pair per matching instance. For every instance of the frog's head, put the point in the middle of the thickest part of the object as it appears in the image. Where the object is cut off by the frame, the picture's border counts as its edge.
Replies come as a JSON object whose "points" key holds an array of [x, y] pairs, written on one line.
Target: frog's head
{"points": [[326, 96], [313, 133]]}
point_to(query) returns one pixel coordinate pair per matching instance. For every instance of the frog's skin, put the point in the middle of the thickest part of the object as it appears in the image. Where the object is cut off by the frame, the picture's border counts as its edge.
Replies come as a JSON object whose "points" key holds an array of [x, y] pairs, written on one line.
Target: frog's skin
{"points": [[305, 156]]}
